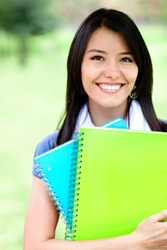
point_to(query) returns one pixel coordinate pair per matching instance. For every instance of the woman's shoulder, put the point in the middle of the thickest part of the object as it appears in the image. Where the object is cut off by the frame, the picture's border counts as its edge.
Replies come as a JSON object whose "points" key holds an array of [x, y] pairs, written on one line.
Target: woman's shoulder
{"points": [[43, 146], [46, 144]]}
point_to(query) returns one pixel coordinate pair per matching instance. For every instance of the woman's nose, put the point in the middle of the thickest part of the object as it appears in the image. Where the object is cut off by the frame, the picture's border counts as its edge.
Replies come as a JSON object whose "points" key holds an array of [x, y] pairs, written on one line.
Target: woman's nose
{"points": [[112, 70]]}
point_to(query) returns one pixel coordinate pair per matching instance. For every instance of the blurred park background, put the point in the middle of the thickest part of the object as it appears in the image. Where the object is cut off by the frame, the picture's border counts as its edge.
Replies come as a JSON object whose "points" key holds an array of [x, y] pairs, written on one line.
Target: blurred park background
{"points": [[35, 36]]}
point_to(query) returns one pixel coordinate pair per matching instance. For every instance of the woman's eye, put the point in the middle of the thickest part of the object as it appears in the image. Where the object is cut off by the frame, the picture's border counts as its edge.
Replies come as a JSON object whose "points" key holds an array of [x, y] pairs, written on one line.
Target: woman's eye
{"points": [[127, 59], [98, 58]]}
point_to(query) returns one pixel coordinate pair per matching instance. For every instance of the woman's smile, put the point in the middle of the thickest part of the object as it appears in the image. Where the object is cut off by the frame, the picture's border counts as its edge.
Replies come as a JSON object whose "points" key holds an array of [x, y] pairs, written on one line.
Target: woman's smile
{"points": [[109, 87]]}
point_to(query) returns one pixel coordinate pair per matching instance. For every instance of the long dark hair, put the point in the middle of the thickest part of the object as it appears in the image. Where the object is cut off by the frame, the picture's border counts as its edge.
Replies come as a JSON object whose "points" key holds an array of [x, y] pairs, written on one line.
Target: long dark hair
{"points": [[75, 95]]}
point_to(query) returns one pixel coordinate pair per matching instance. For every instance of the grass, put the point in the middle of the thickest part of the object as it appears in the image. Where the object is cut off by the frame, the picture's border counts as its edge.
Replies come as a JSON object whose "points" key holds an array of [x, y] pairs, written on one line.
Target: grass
{"points": [[32, 98]]}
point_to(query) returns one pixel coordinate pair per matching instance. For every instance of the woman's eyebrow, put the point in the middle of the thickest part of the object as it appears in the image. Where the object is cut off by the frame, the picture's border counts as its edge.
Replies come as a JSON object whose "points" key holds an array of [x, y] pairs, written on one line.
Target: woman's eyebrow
{"points": [[126, 53], [103, 52], [97, 51]]}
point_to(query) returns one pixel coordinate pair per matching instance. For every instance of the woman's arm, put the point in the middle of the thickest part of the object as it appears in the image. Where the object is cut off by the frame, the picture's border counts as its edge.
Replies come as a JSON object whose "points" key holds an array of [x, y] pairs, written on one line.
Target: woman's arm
{"points": [[42, 218]]}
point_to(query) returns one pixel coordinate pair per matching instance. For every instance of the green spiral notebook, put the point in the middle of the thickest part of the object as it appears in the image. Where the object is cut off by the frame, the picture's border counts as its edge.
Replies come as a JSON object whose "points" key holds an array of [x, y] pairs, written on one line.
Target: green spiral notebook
{"points": [[121, 178]]}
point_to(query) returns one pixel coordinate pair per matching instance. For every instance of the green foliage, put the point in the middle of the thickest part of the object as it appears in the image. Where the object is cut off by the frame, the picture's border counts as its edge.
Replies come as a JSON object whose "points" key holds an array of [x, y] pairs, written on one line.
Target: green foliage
{"points": [[26, 17]]}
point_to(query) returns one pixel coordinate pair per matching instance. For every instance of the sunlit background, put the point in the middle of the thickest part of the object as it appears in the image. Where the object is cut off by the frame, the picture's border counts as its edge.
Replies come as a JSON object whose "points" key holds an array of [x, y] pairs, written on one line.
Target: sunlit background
{"points": [[35, 36]]}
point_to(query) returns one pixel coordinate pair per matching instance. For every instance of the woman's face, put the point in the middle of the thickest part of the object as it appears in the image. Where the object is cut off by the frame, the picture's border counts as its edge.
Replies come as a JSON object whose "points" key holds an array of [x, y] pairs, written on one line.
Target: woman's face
{"points": [[108, 71]]}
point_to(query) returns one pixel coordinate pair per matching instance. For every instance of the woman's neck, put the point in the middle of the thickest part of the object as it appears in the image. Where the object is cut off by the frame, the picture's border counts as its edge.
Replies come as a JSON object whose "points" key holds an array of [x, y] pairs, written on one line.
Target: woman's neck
{"points": [[102, 115]]}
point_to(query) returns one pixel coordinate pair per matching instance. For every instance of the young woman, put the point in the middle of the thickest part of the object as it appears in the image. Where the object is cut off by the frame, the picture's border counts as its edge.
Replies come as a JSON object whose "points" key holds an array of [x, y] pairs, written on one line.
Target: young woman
{"points": [[109, 74]]}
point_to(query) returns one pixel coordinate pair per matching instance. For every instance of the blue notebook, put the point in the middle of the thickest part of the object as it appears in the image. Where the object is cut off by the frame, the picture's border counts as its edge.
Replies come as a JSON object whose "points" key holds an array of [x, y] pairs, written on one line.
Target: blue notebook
{"points": [[55, 167]]}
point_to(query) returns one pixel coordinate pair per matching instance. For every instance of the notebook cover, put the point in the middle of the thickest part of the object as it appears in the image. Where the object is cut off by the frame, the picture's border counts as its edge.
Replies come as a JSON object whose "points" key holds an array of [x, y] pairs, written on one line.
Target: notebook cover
{"points": [[122, 180], [55, 165], [54, 168]]}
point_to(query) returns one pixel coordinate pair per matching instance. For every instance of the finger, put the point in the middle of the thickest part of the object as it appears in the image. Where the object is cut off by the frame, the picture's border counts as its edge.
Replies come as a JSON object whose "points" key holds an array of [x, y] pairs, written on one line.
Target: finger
{"points": [[159, 217]]}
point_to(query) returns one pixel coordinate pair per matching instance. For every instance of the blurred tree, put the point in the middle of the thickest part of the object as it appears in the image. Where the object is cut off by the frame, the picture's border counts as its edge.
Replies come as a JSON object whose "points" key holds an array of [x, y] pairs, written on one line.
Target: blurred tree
{"points": [[24, 18]]}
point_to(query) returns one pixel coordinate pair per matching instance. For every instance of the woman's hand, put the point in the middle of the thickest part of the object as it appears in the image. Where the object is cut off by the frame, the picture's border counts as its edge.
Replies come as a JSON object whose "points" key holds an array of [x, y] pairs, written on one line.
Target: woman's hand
{"points": [[152, 233]]}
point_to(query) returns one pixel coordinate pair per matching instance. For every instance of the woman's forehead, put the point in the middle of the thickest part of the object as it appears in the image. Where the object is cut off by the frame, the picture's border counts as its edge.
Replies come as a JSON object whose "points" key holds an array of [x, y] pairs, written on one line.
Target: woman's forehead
{"points": [[106, 38]]}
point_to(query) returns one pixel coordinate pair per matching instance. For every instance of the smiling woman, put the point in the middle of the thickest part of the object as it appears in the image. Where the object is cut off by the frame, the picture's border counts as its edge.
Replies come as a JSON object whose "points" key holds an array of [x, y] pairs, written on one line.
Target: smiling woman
{"points": [[109, 66], [109, 73]]}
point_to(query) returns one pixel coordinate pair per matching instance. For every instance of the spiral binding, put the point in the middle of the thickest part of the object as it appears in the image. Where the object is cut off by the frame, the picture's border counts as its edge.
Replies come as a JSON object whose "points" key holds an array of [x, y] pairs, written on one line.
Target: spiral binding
{"points": [[40, 172], [73, 198]]}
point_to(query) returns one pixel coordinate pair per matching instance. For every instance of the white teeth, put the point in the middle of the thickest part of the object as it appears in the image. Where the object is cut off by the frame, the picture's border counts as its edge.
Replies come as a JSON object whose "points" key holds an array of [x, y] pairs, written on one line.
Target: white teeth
{"points": [[109, 87]]}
